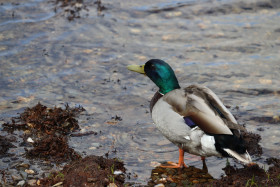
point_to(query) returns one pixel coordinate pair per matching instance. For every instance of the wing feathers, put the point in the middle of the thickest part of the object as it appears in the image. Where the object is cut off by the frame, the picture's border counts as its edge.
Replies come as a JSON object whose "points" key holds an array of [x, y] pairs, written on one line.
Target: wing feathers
{"points": [[204, 108], [212, 101]]}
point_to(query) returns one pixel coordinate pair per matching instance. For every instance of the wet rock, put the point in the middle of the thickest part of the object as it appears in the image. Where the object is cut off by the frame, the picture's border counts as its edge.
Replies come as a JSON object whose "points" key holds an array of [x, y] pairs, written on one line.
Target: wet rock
{"points": [[159, 185], [30, 171], [22, 165], [118, 172], [16, 177], [57, 184], [21, 183], [112, 185], [196, 181], [6, 160], [30, 140], [32, 182]]}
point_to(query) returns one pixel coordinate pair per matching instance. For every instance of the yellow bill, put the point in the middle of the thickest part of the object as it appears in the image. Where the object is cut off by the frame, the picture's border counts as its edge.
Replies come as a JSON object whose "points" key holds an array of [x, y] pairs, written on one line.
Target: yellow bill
{"points": [[137, 68]]}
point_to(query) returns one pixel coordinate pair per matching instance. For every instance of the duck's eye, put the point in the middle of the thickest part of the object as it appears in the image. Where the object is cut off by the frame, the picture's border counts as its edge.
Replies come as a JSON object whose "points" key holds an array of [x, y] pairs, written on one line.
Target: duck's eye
{"points": [[153, 67]]}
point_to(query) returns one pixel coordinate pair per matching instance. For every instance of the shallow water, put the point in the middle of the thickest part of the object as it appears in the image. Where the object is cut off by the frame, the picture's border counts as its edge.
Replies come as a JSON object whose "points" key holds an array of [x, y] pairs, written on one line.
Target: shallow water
{"points": [[230, 46]]}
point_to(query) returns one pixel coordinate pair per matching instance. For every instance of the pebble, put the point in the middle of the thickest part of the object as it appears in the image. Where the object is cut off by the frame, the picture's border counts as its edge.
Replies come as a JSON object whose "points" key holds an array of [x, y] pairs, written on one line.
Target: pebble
{"points": [[162, 180], [21, 183], [23, 165], [16, 177], [23, 174], [95, 144], [154, 164], [112, 185], [32, 182], [30, 140], [159, 185], [29, 171], [195, 181], [118, 172], [57, 184], [6, 160]]}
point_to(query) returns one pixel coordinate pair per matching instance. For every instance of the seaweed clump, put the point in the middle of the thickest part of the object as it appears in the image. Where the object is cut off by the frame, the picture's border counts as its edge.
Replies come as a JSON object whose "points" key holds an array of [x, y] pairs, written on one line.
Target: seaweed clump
{"points": [[73, 8], [53, 147], [89, 171], [48, 127], [46, 120], [252, 143]]}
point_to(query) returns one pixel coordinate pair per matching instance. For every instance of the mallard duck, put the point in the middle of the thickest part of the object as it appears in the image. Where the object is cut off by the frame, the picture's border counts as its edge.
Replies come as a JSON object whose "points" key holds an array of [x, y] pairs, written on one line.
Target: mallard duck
{"points": [[193, 118]]}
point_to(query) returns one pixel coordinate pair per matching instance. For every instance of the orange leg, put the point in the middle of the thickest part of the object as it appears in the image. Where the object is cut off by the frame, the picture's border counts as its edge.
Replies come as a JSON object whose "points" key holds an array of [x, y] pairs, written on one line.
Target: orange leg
{"points": [[181, 163]]}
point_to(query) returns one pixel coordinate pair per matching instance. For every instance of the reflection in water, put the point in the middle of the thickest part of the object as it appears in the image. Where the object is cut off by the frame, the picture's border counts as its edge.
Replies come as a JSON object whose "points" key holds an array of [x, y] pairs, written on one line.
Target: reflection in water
{"points": [[229, 46]]}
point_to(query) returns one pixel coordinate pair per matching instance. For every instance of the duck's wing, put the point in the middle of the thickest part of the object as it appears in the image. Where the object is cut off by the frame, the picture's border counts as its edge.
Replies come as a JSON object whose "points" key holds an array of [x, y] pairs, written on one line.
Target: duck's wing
{"points": [[204, 108], [216, 104], [199, 106]]}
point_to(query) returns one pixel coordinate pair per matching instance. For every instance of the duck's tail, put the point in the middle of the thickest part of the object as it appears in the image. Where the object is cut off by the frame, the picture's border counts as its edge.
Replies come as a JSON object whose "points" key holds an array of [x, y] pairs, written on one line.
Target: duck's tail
{"points": [[245, 158]]}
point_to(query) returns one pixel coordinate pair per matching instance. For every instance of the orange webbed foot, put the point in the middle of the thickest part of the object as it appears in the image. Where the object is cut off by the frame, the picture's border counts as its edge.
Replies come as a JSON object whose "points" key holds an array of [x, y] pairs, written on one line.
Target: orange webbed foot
{"points": [[170, 164]]}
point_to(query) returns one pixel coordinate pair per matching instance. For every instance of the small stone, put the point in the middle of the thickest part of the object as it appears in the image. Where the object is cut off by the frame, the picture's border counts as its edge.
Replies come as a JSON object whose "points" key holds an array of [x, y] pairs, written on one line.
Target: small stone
{"points": [[118, 172], [159, 185], [23, 174], [23, 165], [21, 183], [30, 140], [164, 175], [16, 177], [6, 160], [95, 144], [195, 181], [169, 179], [29, 171], [154, 164], [57, 184], [32, 182], [112, 185]]}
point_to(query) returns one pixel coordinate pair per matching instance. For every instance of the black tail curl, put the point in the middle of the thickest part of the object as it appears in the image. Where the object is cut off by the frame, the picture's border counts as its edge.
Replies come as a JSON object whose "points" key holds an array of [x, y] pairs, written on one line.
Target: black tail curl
{"points": [[230, 142]]}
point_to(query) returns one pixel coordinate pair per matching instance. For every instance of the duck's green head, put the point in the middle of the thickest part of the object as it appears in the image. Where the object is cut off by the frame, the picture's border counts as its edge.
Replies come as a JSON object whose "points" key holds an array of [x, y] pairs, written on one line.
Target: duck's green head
{"points": [[160, 73]]}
